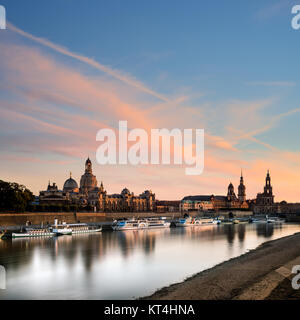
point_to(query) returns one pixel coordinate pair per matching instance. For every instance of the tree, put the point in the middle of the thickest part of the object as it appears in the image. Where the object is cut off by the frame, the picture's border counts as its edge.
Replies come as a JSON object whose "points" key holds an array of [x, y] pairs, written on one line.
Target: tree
{"points": [[14, 197]]}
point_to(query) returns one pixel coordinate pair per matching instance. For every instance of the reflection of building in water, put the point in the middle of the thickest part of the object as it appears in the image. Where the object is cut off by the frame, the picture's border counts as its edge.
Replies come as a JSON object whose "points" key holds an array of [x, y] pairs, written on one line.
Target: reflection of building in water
{"points": [[265, 229], [131, 240], [241, 232], [90, 194], [230, 232], [213, 203]]}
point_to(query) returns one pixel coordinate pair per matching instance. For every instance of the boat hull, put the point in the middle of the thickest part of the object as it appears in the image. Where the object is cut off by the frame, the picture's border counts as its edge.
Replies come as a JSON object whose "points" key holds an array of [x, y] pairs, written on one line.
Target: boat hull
{"points": [[28, 235], [117, 228], [86, 231], [178, 224]]}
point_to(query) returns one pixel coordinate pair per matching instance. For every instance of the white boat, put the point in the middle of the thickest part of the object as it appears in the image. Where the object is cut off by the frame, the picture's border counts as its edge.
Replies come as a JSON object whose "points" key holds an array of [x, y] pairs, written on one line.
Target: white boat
{"points": [[197, 222], [83, 228], [257, 221], [274, 220], [137, 224], [61, 229], [267, 219], [73, 228], [31, 232]]}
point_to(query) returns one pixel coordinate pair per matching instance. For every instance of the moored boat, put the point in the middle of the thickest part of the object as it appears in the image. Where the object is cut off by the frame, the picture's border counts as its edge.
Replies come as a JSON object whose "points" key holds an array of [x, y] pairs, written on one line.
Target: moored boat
{"points": [[74, 228], [33, 232], [83, 228], [137, 224], [196, 222], [61, 230], [274, 220]]}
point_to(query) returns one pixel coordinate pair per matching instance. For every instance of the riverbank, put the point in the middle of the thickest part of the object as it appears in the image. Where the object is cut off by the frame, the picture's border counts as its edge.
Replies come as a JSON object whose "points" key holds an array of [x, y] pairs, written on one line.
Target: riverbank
{"points": [[263, 273], [37, 218]]}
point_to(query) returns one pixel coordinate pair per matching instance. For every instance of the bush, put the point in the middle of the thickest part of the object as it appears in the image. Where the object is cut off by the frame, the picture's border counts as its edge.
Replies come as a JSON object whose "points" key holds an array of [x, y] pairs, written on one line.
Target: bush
{"points": [[14, 197]]}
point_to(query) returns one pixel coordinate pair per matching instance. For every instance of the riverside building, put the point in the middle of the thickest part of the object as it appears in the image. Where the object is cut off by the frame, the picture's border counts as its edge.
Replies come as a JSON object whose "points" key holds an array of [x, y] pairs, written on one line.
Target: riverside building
{"points": [[88, 193]]}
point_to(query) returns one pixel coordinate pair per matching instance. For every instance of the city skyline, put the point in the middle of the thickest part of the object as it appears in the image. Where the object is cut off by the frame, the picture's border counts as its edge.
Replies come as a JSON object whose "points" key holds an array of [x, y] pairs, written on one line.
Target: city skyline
{"points": [[156, 65]]}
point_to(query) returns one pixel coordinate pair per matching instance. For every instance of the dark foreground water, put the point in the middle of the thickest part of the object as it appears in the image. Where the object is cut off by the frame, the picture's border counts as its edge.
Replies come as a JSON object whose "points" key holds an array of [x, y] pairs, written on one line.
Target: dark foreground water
{"points": [[123, 265]]}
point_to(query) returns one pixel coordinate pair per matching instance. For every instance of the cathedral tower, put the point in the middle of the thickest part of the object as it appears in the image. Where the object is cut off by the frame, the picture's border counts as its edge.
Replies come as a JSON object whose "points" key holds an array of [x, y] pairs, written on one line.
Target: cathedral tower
{"points": [[231, 194], [88, 181], [268, 190], [242, 190]]}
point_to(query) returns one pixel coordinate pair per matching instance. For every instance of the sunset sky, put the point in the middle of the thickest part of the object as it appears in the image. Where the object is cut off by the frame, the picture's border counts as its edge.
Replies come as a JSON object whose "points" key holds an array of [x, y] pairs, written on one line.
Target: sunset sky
{"points": [[69, 68]]}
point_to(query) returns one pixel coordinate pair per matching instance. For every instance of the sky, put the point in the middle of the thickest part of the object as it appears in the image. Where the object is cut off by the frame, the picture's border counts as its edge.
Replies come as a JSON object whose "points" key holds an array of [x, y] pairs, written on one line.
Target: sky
{"points": [[69, 68]]}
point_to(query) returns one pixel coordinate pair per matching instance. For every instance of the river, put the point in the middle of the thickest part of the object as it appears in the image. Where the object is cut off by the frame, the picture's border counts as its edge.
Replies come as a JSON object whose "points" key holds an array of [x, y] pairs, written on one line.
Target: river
{"points": [[125, 264]]}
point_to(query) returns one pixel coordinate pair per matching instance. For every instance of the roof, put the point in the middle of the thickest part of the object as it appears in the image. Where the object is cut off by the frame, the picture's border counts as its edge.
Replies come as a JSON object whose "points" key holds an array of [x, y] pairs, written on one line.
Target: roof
{"points": [[203, 198], [197, 198], [70, 184], [220, 198]]}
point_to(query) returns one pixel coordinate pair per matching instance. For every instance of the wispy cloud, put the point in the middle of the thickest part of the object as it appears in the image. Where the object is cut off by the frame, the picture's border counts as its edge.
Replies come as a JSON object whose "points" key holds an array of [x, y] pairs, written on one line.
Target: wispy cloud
{"points": [[274, 9], [51, 111], [112, 72]]}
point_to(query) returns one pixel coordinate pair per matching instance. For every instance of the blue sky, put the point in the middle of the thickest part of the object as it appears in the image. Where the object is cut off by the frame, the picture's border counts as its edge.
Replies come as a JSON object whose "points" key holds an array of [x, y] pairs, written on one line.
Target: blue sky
{"points": [[234, 63]]}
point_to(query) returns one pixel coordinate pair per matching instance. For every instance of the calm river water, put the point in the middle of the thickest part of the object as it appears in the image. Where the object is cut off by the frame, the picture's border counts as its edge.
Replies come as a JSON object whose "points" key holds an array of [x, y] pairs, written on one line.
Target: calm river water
{"points": [[123, 265]]}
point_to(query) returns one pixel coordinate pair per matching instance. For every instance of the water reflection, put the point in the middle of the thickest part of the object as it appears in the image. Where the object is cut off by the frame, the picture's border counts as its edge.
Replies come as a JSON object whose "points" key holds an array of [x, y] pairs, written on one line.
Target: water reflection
{"points": [[266, 230], [241, 232], [123, 264]]}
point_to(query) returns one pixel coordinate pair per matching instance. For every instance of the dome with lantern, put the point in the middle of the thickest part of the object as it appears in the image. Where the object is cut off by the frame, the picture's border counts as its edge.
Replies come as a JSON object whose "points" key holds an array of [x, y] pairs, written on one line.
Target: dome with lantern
{"points": [[70, 185]]}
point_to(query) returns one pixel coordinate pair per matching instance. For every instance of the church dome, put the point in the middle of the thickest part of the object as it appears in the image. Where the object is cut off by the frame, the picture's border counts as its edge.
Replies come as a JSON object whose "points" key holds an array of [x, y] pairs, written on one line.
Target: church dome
{"points": [[125, 191], [70, 185]]}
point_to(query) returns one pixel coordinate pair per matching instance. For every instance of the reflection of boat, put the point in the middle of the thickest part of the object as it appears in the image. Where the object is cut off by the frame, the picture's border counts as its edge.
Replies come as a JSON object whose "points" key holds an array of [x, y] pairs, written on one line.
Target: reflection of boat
{"points": [[136, 224], [197, 222]]}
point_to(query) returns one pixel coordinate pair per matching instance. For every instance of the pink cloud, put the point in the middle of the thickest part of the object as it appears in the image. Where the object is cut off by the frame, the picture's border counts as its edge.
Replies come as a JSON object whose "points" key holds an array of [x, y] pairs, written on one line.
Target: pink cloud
{"points": [[57, 110]]}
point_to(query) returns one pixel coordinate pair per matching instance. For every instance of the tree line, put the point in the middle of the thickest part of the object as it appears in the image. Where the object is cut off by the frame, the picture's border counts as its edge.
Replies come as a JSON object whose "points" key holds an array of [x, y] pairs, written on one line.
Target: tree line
{"points": [[14, 197]]}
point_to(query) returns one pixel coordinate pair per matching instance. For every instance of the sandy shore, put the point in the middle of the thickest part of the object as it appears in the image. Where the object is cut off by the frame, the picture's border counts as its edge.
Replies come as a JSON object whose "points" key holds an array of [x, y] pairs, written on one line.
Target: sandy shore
{"points": [[263, 273]]}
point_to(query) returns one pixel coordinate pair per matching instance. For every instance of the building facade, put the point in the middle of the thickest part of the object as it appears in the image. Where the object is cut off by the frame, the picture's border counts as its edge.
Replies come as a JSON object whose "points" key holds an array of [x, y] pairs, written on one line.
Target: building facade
{"points": [[90, 194], [167, 206], [216, 202], [264, 202]]}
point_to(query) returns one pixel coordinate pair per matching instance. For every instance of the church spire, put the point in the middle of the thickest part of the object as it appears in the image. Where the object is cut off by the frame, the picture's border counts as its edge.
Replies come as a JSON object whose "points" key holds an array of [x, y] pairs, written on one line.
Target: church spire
{"points": [[242, 189], [242, 178]]}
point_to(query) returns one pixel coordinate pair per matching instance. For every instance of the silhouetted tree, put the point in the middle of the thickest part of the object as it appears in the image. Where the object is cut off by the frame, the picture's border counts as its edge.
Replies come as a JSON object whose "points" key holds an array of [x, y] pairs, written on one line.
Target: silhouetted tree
{"points": [[14, 197]]}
